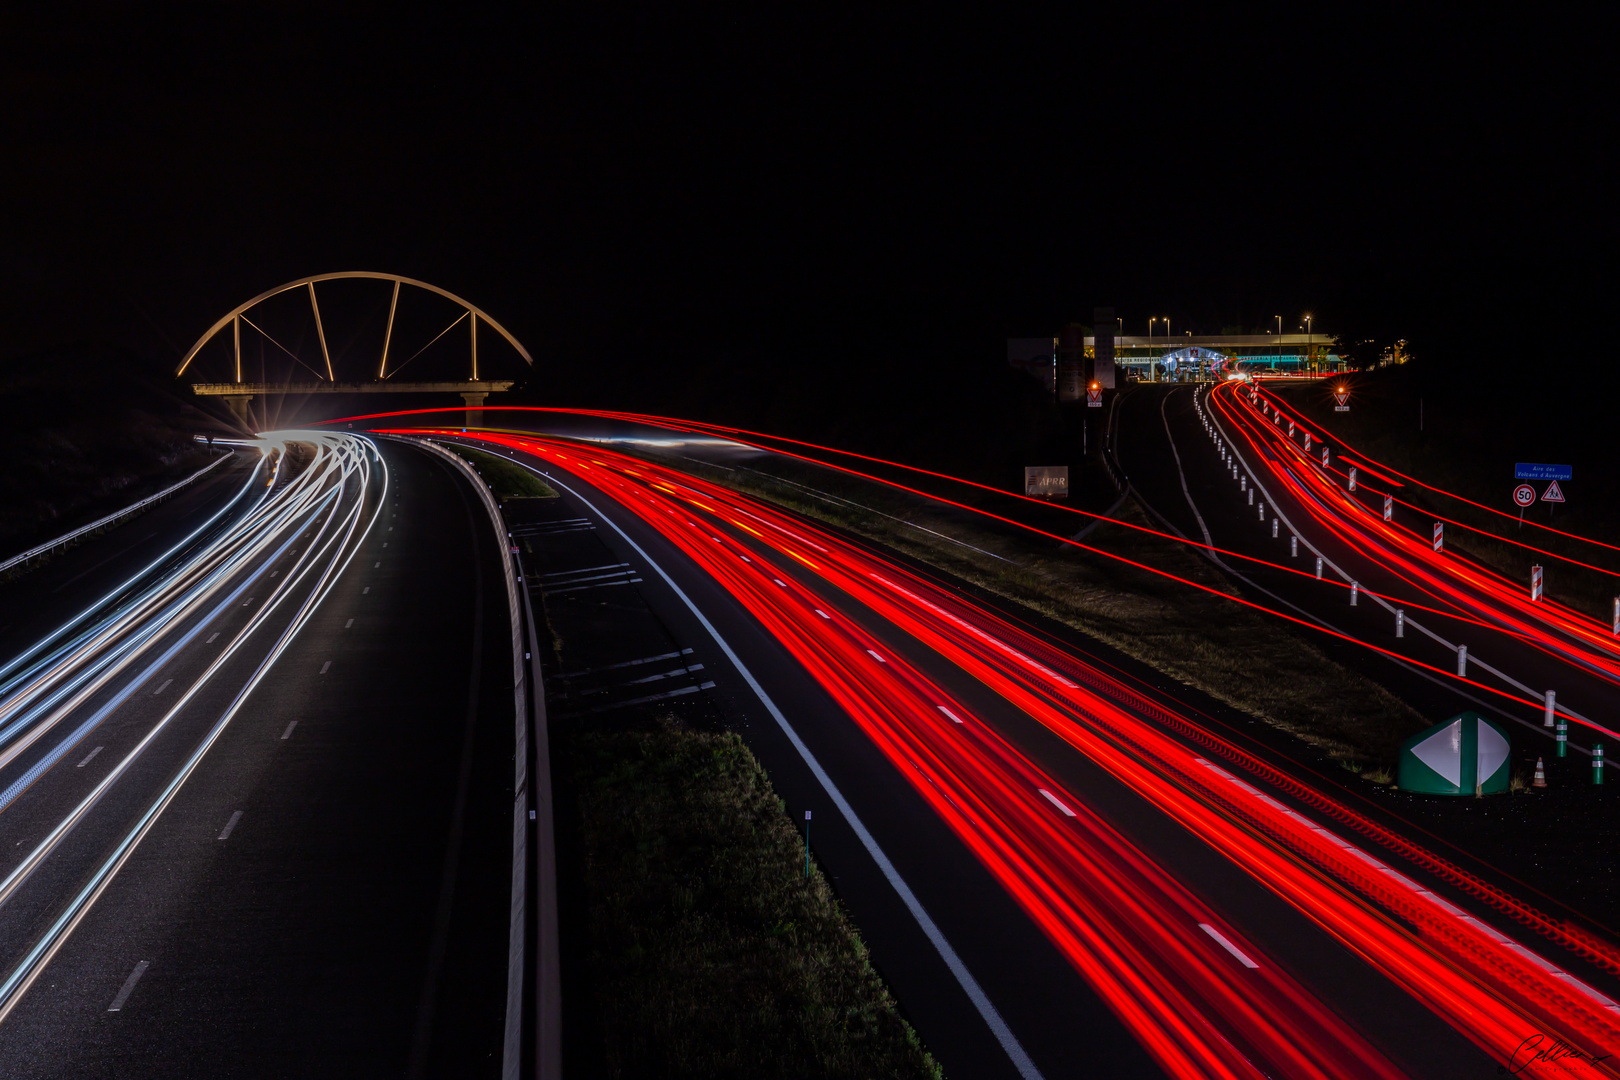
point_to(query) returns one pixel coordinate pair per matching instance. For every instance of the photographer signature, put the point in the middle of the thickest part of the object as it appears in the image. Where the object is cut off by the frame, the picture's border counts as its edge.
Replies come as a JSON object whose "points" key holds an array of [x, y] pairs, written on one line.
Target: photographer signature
{"points": [[1539, 1047]]}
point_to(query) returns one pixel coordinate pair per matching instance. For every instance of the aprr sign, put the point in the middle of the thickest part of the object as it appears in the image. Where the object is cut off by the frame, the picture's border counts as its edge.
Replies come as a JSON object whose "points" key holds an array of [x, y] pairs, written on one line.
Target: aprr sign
{"points": [[1046, 481]]}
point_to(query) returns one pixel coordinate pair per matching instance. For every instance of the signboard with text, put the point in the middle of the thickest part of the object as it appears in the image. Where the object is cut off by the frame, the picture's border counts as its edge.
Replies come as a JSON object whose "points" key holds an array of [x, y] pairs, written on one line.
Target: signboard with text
{"points": [[1532, 471], [1046, 481]]}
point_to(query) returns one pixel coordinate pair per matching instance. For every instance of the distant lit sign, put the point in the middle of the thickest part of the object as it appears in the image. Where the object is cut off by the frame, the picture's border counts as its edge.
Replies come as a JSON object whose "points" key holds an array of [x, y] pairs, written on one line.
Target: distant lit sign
{"points": [[1094, 397], [1343, 399], [1046, 481], [1531, 471]]}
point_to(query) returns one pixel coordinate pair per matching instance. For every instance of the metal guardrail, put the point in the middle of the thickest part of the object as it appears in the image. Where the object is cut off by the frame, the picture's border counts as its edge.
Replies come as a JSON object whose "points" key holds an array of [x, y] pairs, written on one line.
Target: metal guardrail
{"points": [[111, 519]]}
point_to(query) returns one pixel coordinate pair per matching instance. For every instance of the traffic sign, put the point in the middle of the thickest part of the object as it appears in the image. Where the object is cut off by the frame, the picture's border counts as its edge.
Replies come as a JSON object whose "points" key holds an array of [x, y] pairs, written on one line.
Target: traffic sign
{"points": [[1342, 397], [1554, 493], [1532, 471], [1524, 494], [1094, 397]]}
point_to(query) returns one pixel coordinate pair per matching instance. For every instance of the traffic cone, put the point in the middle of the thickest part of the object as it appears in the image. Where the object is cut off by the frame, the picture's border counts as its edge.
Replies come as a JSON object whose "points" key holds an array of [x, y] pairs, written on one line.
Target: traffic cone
{"points": [[1541, 775]]}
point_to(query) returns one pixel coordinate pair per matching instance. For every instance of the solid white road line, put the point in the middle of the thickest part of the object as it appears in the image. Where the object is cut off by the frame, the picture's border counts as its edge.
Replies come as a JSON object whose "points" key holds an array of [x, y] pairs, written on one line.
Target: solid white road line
{"points": [[129, 986], [231, 824], [1220, 939], [1055, 801], [964, 978], [162, 688], [326, 667], [89, 756], [288, 732]]}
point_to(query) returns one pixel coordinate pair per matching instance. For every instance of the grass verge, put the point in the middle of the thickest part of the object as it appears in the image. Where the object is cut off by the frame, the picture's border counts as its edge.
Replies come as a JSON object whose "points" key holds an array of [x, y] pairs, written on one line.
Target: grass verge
{"points": [[711, 954], [1234, 654], [507, 480]]}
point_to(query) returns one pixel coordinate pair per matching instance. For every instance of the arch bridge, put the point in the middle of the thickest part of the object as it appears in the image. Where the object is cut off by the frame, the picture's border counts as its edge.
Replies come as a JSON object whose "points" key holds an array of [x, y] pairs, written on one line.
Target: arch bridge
{"points": [[238, 393]]}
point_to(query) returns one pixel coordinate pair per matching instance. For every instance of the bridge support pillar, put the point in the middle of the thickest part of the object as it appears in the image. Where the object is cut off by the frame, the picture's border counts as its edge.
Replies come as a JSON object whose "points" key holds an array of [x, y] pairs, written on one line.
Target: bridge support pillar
{"points": [[238, 404], [475, 407]]}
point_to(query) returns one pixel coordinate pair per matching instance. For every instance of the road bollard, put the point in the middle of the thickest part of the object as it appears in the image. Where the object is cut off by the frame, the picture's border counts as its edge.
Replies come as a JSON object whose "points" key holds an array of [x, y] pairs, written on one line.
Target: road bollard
{"points": [[1462, 661], [1293, 547], [1400, 622], [1251, 496], [1352, 478], [1243, 484], [1616, 630], [1319, 568], [1389, 508], [1274, 528], [1541, 775], [1535, 583], [1262, 511], [1547, 713], [1355, 590], [1563, 736], [1597, 764]]}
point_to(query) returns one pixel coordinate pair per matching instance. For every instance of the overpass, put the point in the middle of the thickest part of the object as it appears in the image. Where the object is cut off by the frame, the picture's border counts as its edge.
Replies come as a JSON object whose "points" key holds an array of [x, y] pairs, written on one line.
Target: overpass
{"points": [[1181, 357]]}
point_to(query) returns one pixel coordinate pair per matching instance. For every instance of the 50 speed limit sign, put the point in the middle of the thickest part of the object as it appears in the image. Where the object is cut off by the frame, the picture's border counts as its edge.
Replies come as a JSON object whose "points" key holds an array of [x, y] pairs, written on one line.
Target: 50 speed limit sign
{"points": [[1524, 495]]}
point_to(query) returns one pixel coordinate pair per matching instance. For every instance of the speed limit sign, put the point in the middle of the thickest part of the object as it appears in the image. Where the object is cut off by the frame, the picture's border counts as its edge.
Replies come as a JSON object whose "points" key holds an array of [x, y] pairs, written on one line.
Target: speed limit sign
{"points": [[1524, 495]]}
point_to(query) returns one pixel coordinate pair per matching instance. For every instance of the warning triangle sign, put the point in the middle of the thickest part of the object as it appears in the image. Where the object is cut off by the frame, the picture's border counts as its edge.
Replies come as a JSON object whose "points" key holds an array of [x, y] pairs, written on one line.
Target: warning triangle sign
{"points": [[1554, 493]]}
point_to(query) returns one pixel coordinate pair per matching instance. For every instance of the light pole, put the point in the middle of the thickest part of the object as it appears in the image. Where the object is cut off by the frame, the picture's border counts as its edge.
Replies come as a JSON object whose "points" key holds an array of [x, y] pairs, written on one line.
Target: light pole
{"points": [[1279, 341], [1308, 339]]}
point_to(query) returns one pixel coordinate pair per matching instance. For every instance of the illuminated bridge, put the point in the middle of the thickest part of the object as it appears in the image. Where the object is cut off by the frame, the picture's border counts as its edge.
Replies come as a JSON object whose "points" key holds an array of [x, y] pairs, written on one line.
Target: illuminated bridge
{"points": [[1192, 356]]}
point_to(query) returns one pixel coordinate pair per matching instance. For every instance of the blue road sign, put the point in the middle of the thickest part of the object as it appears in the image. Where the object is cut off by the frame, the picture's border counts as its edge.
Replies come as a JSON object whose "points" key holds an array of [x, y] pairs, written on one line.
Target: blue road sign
{"points": [[1530, 471]]}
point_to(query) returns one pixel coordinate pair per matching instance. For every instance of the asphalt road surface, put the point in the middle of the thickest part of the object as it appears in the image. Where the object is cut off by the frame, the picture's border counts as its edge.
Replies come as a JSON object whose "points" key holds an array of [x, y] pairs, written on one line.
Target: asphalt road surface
{"points": [[327, 892]]}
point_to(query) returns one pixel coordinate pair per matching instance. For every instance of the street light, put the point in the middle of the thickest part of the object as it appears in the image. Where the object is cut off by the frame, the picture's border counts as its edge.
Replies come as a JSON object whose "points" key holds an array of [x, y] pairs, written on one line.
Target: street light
{"points": [[1307, 338]]}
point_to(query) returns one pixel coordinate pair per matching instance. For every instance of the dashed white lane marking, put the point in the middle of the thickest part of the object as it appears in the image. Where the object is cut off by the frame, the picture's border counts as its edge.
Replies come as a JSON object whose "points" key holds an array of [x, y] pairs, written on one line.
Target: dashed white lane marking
{"points": [[876, 657], [211, 638], [348, 624], [274, 573], [1220, 939], [129, 986], [249, 600], [88, 756], [1055, 801], [947, 712], [377, 566], [584, 570], [780, 582], [365, 590], [326, 667], [231, 824], [288, 732], [162, 688], [823, 614], [390, 528]]}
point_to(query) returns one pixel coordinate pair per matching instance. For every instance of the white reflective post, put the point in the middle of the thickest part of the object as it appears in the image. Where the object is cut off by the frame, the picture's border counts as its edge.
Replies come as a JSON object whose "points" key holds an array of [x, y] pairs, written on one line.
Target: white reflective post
{"points": [[1462, 661]]}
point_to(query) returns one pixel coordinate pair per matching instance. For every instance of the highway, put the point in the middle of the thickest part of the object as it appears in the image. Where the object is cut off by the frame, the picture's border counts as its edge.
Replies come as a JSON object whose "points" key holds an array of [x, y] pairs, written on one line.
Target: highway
{"points": [[1175, 906], [256, 789]]}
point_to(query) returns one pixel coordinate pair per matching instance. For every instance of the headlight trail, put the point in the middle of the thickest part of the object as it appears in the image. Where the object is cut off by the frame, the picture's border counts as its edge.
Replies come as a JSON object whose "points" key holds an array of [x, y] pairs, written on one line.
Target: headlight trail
{"points": [[328, 508], [1127, 926]]}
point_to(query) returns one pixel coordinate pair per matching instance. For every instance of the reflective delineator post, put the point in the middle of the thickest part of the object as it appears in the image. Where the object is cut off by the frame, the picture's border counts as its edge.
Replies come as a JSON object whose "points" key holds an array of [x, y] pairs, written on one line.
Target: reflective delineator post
{"points": [[1352, 478], [1389, 507], [1549, 710], [1439, 536], [1462, 661], [1400, 622], [1597, 764], [1307, 442], [1274, 528], [1541, 775], [1293, 547], [1355, 590], [1319, 568], [1616, 630], [1262, 511], [1563, 736], [1535, 583], [1251, 496], [1324, 457], [807, 845]]}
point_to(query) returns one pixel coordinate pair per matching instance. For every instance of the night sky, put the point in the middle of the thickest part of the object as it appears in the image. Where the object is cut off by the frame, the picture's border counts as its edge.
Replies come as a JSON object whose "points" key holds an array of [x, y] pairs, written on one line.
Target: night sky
{"points": [[716, 186]]}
